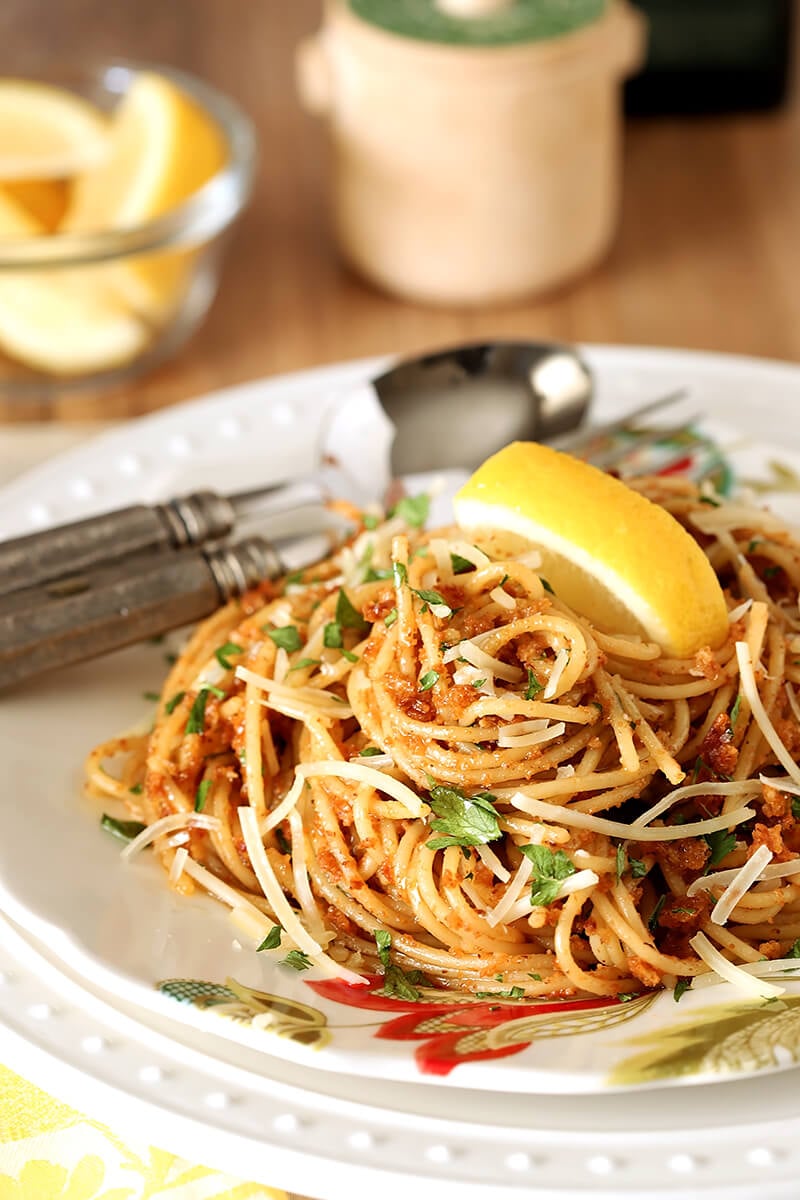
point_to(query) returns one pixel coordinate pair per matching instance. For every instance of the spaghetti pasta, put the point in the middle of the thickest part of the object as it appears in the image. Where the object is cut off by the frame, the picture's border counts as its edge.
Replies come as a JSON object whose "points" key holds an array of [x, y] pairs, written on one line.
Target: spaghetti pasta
{"points": [[438, 750]]}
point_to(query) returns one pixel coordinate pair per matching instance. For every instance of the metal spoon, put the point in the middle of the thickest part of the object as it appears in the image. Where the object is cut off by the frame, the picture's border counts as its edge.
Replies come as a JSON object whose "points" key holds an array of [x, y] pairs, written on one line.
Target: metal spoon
{"points": [[455, 407]]}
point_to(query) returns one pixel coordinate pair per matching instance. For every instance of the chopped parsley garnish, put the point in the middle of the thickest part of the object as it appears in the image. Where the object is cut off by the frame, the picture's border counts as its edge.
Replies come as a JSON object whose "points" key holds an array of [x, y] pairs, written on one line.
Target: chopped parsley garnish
{"points": [[620, 861], [413, 510], [297, 959], [478, 683], [546, 586], [396, 982], [720, 844], [638, 868], [399, 574], [550, 869], [332, 636], [796, 807], [295, 578], [137, 789], [656, 913], [222, 654], [348, 654], [624, 997], [373, 574], [370, 521], [463, 820], [795, 950], [460, 564], [534, 687], [286, 638], [751, 545], [428, 680], [771, 572], [173, 702], [153, 697], [304, 662], [699, 765], [272, 940], [201, 794], [197, 713], [712, 500], [390, 618], [512, 993], [734, 716], [535, 975], [369, 752], [681, 986], [347, 615], [283, 843], [126, 831], [430, 597]]}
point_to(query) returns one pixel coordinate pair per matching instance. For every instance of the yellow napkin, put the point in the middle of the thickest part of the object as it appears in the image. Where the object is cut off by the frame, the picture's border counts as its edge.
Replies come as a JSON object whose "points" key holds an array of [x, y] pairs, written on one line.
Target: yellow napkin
{"points": [[50, 1152]]}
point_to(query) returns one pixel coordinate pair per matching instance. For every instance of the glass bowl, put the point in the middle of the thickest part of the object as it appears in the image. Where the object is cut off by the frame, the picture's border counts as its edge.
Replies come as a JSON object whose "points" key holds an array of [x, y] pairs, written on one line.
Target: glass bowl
{"points": [[182, 250]]}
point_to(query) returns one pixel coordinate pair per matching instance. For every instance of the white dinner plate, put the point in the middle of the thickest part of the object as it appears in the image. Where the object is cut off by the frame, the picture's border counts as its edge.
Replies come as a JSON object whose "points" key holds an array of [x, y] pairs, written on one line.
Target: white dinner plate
{"points": [[121, 933]]}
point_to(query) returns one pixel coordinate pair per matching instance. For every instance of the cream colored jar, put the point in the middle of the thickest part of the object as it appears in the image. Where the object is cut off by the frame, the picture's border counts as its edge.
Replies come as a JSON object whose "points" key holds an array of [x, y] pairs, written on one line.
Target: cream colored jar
{"points": [[470, 175]]}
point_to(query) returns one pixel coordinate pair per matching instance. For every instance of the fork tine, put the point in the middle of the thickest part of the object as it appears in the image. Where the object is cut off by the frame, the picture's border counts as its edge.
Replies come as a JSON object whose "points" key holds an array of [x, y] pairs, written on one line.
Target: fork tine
{"points": [[573, 443]]}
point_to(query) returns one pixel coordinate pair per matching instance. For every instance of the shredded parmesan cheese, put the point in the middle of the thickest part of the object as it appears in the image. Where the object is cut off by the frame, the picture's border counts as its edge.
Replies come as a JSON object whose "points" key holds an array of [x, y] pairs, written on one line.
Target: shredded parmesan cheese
{"points": [[178, 863], [511, 894], [739, 787], [727, 970], [737, 613], [565, 815], [490, 860], [168, 825], [479, 658], [744, 878], [722, 878], [501, 597], [750, 690], [508, 739], [361, 773]]}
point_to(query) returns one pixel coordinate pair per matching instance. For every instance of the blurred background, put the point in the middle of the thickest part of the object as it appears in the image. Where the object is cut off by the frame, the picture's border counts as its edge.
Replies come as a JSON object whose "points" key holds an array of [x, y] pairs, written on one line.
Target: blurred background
{"points": [[706, 253]]}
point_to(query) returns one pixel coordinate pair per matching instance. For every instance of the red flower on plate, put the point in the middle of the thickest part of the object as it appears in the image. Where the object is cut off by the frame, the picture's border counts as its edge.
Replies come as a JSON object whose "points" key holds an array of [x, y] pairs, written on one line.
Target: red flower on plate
{"points": [[453, 1032]]}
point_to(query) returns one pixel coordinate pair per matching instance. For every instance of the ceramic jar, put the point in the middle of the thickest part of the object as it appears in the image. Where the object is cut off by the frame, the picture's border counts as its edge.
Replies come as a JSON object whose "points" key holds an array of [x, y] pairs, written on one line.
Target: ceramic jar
{"points": [[471, 174]]}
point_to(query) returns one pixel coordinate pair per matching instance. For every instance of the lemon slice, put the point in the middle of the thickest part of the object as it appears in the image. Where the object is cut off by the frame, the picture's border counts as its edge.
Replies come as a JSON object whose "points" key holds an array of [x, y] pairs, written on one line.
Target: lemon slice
{"points": [[607, 551], [46, 132], [45, 199], [63, 322], [163, 147]]}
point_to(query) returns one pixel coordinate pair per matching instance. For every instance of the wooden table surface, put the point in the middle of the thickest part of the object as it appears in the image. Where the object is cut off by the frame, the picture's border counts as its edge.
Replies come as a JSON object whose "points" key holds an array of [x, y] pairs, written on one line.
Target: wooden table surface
{"points": [[708, 253]]}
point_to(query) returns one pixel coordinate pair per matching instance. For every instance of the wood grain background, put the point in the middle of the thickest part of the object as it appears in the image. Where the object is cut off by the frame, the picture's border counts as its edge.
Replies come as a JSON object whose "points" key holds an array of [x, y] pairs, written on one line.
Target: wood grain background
{"points": [[708, 253]]}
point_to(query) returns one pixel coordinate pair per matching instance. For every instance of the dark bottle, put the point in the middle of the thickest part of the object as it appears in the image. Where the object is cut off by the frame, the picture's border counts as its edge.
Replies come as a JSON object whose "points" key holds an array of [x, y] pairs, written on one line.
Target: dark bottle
{"points": [[713, 56]]}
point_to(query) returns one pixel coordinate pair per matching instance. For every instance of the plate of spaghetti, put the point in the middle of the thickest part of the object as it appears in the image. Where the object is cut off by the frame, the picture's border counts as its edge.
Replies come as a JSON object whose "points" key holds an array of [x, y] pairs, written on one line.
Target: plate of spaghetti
{"points": [[510, 801]]}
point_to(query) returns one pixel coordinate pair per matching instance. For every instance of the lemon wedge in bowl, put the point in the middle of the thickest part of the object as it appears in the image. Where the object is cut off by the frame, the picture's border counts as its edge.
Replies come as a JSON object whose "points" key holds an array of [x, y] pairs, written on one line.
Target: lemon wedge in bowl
{"points": [[62, 321], [607, 551], [162, 147], [47, 132]]}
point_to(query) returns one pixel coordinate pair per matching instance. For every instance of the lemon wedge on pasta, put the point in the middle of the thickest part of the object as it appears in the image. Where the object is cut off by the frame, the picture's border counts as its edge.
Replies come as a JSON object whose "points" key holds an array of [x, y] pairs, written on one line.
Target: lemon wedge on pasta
{"points": [[607, 551]]}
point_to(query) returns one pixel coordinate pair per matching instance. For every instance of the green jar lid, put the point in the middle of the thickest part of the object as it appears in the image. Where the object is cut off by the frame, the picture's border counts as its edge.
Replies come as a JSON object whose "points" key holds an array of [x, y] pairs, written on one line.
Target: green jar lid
{"points": [[522, 21]]}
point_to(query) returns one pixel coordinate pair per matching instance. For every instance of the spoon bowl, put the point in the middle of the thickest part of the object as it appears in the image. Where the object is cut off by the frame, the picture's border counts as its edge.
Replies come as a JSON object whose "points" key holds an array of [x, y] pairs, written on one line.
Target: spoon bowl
{"points": [[455, 407]]}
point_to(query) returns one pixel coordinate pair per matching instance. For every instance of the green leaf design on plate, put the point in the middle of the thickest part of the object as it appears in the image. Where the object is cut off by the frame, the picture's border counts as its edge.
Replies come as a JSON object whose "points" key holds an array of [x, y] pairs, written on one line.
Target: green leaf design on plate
{"points": [[261, 1010], [719, 1040]]}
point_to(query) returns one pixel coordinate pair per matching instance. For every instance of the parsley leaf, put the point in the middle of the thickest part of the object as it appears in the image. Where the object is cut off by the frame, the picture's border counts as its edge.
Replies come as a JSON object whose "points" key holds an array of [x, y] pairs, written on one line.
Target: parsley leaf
{"points": [[297, 959], [222, 653], [287, 638], [283, 843], [428, 680], [304, 662], [370, 521], [369, 752], [272, 940], [413, 510], [550, 869], [795, 950], [796, 807], [173, 702], [197, 714], [513, 993], [348, 654], [534, 687], [656, 913], [464, 820], [390, 618], [153, 697], [137, 789], [624, 997], [375, 573], [638, 868], [681, 986], [332, 636], [460, 565], [430, 597], [478, 683], [399, 574], [620, 861], [126, 831], [720, 844], [201, 795], [395, 980], [546, 586], [347, 615], [737, 704]]}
